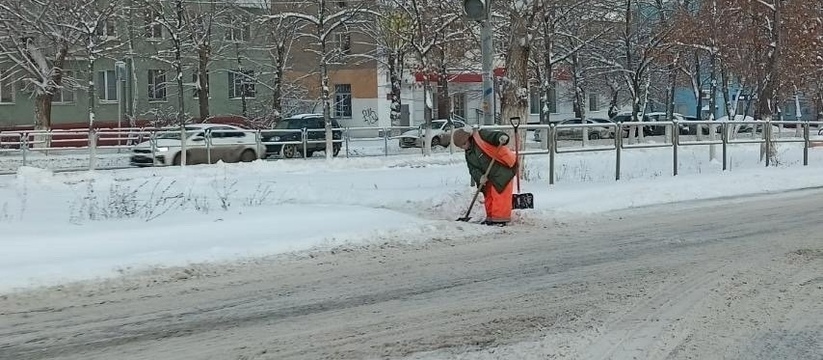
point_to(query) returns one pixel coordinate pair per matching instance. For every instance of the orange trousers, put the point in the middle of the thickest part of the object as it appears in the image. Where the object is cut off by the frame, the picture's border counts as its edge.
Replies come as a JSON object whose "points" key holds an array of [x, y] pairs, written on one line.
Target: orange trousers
{"points": [[498, 204]]}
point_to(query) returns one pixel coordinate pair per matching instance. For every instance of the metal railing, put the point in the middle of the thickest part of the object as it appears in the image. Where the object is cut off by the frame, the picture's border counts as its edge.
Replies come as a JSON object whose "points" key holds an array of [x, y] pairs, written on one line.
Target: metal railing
{"points": [[622, 132], [285, 143]]}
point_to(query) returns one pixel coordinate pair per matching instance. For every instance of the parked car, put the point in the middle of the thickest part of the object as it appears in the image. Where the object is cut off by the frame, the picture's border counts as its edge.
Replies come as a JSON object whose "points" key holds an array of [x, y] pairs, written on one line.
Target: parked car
{"points": [[225, 143], [683, 127], [741, 128], [441, 134], [605, 132], [647, 130], [290, 130]]}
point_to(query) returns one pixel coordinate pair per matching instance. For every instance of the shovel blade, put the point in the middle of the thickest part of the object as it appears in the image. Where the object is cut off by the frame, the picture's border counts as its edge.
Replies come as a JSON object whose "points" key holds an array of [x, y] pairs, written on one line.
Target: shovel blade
{"points": [[523, 201]]}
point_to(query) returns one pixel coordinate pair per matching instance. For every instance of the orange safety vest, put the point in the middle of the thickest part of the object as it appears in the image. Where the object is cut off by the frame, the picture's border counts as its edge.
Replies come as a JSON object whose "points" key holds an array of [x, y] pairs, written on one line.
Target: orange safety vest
{"points": [[500, 154]]}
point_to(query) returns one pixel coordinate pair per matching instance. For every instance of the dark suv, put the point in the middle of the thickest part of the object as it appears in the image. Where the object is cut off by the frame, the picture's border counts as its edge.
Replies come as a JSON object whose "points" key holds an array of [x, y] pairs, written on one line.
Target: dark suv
{"points": [[627, 120], [291, 131]]}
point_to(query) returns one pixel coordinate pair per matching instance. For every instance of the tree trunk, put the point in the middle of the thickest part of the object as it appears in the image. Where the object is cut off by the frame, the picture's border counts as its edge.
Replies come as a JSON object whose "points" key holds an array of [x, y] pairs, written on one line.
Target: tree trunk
{"points": [[396, 88], [768, 98], [203, 83], [244, 107], [178, 67], [42, 111], [90, 89], [578, 104], [818, 104], [427, 114], [515, 100], [727, 101], [43, 100], [634, 78], [326, 99], [277, 85], [712, 102], [444, 108], [614, 100], [546, 84], [672, 68], [698, 81]]}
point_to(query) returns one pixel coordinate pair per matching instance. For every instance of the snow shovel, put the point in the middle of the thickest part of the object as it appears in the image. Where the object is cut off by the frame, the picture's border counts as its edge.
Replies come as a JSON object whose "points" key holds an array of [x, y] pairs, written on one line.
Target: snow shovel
{"points": [[479, 189], [525, 200]]}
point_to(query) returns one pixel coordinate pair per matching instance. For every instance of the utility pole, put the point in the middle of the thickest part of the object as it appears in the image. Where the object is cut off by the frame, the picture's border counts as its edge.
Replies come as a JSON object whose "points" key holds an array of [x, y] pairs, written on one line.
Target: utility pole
{"points": [[480, 10]]}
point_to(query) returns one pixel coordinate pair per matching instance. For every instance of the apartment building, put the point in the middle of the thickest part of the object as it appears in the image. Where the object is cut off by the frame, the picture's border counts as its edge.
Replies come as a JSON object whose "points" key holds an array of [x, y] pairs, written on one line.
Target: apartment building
{"points": [[147, 90]]}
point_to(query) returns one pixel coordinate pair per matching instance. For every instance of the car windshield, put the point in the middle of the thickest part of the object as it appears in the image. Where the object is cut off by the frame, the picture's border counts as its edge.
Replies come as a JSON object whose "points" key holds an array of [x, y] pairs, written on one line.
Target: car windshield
{"points": [[175, 135], [289, 124], [434, 125]]}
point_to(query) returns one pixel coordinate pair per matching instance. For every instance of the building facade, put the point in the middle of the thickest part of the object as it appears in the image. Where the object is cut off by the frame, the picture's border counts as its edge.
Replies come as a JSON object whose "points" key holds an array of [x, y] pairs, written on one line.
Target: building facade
{"points": [[147, 91]]}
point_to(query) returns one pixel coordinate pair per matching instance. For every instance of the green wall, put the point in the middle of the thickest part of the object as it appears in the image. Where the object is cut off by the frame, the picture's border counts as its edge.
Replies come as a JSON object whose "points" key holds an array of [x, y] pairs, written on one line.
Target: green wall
{"points": [[21, 112]]}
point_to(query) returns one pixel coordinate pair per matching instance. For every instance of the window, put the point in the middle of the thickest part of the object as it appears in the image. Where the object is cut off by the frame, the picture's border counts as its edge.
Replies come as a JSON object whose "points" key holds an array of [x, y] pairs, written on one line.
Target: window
{"points": [[241, 84], [343, 40], [225, 132], [157, 85], [594, 103], [6, 87], [65, 94], [240, 31], [317, 123], [459, 105], [106, 30], [154, 29], [705, 94], [106, 85], [342, 100], [339, 46]]}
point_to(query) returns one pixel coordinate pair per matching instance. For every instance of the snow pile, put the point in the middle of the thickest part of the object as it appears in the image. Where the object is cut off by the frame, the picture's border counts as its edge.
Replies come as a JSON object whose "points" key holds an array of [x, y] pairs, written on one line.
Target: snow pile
{"points": [[67, 226]]}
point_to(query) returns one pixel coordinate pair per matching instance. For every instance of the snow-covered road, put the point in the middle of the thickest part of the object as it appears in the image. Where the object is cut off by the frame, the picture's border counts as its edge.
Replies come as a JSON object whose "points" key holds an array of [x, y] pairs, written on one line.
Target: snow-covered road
{"points": [[732, 278]]}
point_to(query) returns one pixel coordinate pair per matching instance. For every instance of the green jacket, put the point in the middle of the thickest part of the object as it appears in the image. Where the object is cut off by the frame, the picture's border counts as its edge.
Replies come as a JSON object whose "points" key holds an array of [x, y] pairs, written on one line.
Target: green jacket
{"points": [[477, 161]]}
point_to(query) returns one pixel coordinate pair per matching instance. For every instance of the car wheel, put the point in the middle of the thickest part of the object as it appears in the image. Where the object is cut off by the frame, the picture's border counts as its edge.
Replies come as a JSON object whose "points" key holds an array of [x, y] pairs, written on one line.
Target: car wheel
{"points": [[435, 141], [290, 151], [335, 150], [594, 136], [309, 153], [247, 156]]}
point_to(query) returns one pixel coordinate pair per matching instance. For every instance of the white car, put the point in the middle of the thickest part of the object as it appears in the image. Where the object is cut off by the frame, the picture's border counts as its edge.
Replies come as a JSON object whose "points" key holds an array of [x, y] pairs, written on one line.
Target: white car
{"points": [[204, 143], [441, 134]]}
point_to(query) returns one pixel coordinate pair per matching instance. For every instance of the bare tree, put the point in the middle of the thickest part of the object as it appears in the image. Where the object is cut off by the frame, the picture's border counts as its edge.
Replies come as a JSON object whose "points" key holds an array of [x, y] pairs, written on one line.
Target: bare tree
{"points": [[278, 40], [520, 24], [569, 30], [95, 22], [635, 49], [35, 45], [319, 28], [390, 33], [170, 17], [429, 21]]}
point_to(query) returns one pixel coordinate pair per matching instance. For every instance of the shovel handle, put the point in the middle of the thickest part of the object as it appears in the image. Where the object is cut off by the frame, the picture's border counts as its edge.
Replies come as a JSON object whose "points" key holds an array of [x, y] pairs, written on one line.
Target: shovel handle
{"points": [[476, 193], [515, 122]]}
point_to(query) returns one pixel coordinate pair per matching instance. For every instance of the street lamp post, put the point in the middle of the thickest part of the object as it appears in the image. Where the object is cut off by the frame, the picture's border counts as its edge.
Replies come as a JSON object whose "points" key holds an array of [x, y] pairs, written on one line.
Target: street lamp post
{"points": [[480, 10]]}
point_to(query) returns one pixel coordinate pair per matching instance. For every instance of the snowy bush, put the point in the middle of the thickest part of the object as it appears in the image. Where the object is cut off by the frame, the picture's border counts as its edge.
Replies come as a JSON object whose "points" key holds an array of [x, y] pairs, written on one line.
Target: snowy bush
{"points": [[125, 201]]}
